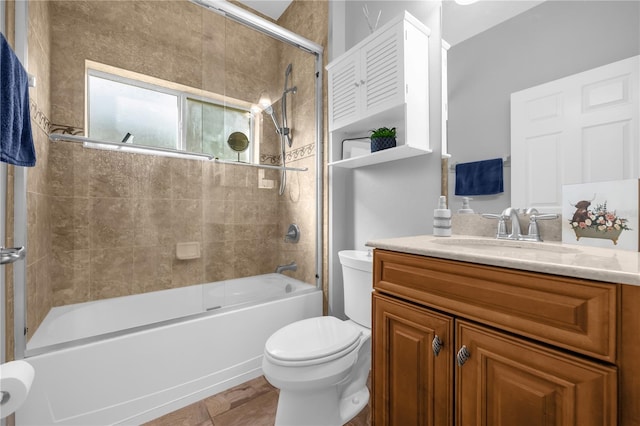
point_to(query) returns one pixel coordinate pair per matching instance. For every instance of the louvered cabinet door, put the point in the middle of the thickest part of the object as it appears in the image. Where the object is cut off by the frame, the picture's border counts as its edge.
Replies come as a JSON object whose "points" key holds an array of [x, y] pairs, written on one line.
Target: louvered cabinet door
{"points": [[382, 75], [412, 365], [344, 88]]}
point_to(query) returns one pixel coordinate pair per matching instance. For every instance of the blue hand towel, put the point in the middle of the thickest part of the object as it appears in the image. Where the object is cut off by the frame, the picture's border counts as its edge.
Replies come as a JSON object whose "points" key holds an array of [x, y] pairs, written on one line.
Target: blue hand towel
{"points": [[16, 141], [480, 177]]}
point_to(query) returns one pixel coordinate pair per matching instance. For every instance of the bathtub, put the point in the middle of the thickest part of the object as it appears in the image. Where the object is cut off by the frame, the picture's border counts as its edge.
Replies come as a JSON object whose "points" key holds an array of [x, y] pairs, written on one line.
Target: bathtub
{"points": [[128, 360]]}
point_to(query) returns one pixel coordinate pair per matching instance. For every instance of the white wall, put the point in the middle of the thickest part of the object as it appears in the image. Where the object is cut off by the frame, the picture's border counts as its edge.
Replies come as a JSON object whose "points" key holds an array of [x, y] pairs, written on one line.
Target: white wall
{"points": [[390, 199]]}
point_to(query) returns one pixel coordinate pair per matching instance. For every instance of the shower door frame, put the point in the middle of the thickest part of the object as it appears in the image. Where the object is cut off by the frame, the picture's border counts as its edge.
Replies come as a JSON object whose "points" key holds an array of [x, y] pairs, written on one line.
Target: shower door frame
{"points": [[257, 23], [20, 183], [3, 206], [20, 201]]}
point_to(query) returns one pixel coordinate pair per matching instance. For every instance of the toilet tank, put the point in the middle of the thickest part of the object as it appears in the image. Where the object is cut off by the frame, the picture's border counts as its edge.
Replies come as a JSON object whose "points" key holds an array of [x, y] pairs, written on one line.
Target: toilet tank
{"points": [[357, 267]]}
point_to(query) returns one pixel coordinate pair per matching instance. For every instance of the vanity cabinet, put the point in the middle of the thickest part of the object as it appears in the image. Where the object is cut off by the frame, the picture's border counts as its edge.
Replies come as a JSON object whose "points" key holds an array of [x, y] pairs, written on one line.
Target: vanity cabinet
{"points": [[456, 343], [382, 82]]}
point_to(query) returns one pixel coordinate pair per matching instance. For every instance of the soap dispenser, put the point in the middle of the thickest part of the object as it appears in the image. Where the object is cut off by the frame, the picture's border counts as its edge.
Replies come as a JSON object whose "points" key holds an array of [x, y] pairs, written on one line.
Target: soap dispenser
{"points": [[466, 209], [442, 219]]}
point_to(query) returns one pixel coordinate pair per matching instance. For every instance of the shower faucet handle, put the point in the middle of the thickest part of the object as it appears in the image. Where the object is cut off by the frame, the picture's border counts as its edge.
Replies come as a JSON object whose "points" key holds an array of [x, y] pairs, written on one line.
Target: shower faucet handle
{"points": [[293, 234]]}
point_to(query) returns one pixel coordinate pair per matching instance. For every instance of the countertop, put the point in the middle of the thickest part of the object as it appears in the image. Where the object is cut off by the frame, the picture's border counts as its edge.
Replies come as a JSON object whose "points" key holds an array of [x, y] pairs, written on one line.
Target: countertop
{"points": [[598, 264]]}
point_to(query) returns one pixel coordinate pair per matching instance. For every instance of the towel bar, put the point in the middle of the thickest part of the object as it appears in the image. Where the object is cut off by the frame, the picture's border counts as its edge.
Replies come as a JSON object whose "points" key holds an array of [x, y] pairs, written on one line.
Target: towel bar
{"points": [[506, 162]]}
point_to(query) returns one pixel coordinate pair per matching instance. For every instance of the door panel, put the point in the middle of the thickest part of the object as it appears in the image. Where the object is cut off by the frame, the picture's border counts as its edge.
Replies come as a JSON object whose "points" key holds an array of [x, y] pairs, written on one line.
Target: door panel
{"points": [[411, 385], [509, 381], [593, 116], [382, 74], [343, 95]]}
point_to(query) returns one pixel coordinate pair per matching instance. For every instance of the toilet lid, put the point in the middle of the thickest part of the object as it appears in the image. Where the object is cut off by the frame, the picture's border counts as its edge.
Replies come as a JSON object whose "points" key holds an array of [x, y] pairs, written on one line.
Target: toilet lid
{"points": [[312, 338]]}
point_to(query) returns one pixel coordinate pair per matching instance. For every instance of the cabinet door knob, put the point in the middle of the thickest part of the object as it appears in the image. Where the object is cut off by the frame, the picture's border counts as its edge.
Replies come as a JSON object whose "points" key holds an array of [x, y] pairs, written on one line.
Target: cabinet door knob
{"points": [[463, 355], [362, 82], [357, 84], [436, 344]]}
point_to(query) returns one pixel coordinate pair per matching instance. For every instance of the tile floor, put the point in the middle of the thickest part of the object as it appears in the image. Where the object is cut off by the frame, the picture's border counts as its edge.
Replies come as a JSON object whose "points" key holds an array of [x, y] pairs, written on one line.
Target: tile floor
{"points": [[249, 404]]}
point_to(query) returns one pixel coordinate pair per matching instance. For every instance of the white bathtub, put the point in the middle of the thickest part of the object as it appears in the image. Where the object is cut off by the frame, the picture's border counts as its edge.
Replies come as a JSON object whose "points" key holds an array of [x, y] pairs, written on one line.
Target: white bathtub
{"points": [[180, 346]]}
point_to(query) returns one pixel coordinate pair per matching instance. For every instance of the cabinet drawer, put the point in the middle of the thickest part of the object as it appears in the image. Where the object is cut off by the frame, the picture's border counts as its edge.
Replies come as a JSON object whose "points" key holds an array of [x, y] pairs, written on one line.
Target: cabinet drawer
{"points": [[575, 314]]}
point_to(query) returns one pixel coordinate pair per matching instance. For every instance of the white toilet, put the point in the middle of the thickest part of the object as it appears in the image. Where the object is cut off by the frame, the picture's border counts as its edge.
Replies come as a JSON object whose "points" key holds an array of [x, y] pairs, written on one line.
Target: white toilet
{"points": [[321, 365]]}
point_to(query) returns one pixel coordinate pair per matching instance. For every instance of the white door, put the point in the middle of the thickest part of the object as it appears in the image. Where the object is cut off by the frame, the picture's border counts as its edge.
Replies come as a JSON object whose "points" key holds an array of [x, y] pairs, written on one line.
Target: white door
{"points": [[581, 128]]}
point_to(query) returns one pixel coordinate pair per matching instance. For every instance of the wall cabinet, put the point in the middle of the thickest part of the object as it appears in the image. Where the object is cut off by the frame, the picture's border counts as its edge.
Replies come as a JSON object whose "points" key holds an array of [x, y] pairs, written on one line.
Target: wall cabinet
{"points": [[382, 82], [463, 344]]}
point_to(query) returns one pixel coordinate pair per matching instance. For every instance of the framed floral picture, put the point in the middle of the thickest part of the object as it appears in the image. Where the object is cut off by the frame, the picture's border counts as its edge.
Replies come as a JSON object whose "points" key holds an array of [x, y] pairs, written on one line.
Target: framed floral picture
{"points": [[602, 214]]}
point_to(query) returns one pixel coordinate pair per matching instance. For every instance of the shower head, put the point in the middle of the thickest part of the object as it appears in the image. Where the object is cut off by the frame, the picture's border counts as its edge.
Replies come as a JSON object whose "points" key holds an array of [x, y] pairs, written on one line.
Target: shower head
{"points": [[269, 110]]}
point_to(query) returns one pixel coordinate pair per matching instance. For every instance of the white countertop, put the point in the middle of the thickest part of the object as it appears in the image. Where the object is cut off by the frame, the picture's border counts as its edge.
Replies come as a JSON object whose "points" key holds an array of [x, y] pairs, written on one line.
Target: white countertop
{"points": [[598, 264]]}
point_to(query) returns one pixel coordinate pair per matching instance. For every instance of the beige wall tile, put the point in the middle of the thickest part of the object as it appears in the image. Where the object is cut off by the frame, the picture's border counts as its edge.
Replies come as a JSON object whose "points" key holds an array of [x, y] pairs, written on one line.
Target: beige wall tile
{"points": [[111, 272], [152, 268], [151, 222], [44, 292], [70, 276], [32, 222], [217, 264], [68, 170], [187, 272], [186, 179], [69, 223], [32, 301], [151, 176], [43, 227], [111, 174], [111, 223], [186, 220]]}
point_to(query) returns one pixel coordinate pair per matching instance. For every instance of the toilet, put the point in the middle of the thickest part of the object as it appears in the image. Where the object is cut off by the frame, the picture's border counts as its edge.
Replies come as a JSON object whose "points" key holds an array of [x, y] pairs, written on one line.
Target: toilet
{"points": [[321, 365]]}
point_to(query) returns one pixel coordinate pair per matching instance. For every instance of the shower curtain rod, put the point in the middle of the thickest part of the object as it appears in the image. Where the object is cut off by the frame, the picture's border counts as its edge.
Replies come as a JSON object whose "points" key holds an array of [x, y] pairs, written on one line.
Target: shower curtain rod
{"points": [[149, 150]]}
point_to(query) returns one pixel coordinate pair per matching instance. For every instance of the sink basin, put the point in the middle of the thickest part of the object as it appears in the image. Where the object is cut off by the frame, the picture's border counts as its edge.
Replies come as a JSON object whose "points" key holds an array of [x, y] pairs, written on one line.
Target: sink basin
{"points": [[489, 244]]}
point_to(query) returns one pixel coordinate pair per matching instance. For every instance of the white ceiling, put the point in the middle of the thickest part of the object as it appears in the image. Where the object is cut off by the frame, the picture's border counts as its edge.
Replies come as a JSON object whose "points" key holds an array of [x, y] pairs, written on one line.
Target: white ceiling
{"points": [[459, 22]]}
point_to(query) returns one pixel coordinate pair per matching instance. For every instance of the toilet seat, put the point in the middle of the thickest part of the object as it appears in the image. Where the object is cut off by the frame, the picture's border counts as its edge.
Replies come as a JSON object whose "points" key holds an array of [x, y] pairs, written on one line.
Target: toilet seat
{"points": [[312, 341]]}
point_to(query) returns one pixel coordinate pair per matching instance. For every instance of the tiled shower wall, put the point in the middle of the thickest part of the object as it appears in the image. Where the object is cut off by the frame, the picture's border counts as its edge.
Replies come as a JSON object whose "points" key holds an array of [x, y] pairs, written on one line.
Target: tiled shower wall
{"points": [[105, 223], [39, 199]]}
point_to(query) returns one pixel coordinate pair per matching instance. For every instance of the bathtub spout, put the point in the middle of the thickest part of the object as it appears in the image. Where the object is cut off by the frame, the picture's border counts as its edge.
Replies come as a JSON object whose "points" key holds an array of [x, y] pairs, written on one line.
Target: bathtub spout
{"points": [[289, 267]]}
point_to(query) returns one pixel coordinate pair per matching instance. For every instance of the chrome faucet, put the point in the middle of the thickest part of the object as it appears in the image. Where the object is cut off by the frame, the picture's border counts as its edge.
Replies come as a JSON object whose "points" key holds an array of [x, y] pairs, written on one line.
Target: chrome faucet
{"points": [[516, 234], [289, 267], [512, 214]]}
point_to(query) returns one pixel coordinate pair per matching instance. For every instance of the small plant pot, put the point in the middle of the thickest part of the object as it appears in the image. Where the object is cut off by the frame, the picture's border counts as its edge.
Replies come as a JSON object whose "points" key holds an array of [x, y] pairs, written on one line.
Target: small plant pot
{"points": [[378, 144]]}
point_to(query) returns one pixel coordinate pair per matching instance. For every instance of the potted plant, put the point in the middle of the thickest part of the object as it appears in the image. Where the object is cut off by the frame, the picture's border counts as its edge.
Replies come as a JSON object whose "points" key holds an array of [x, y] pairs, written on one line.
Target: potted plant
{"points": [[383, 138]]}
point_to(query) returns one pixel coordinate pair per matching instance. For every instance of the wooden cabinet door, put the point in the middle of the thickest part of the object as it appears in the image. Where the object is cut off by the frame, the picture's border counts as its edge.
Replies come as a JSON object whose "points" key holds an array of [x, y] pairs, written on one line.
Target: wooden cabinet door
{"points": [[508, 381], [411, 385]]}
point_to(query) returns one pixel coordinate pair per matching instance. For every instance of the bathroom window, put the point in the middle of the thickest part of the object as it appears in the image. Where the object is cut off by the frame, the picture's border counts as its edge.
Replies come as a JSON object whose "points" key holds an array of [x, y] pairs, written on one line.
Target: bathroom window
{"points": [[121, 108], [209, 126]]}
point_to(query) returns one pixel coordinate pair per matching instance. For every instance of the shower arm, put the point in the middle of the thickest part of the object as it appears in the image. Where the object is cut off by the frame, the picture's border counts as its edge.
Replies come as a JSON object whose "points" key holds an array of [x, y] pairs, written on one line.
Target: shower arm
{"points": [[275, 122]]}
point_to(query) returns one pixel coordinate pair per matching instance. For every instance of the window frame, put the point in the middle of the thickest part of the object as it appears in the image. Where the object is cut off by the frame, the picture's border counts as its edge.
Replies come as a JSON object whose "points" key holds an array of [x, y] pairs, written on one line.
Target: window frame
{"points": [[182, 94]]}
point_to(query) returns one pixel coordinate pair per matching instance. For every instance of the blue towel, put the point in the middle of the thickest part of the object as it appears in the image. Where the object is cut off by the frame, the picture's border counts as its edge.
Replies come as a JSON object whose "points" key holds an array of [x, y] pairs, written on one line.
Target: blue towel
{"points": [[480, 177], [16, 141]]}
